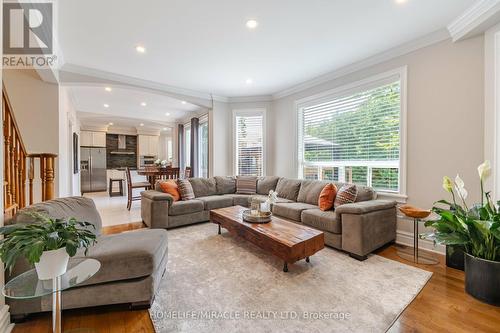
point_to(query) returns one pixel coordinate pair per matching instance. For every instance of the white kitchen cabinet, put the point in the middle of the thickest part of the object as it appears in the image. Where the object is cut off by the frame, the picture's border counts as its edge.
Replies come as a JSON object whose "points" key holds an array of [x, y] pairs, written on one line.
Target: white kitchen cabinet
{"points": [[98, 139], [92, 139], [86, 139], [148, 145]]}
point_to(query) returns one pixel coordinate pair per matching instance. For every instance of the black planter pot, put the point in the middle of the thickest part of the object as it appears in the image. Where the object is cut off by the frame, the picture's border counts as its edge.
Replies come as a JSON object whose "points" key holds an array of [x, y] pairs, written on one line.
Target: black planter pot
{"points": [[482, 279], [455, 257]]}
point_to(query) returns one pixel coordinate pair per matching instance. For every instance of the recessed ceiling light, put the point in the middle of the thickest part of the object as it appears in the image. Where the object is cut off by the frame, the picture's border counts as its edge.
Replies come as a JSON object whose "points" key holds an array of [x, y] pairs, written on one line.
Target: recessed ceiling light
{"points": [[249, 81], [106, 105], [141, 124], [401, 1], [110, 124], [140, 49], [183, 102], [143, 104], [252, 24], [164, 128], [167, 114], [108, 89]]}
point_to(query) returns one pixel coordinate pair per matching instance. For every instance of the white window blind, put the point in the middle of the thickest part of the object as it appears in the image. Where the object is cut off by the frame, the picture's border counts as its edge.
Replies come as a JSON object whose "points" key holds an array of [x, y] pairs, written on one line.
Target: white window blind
{"points": [[354, 138], [187, 145], [203, 146], [249, 145]]}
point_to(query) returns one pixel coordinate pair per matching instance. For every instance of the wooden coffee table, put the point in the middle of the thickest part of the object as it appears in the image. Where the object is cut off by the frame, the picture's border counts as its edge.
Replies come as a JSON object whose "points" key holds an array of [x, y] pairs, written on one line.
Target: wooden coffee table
{"points": [[286, 240]]}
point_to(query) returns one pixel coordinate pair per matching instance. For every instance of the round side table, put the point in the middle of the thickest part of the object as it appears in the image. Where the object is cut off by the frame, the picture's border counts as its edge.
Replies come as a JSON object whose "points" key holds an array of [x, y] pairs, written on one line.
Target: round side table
{"points": [[27, 285], [413, 254]]}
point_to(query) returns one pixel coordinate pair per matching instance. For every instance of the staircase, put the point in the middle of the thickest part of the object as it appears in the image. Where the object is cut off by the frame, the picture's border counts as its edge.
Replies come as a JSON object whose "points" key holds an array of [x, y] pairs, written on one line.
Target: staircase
{"points": [[19, 167]]}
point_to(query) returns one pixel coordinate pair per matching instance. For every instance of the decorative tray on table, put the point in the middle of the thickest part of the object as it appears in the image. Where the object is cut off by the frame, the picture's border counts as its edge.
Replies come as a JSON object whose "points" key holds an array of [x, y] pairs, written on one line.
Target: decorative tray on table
{"points": [[260, 217]]}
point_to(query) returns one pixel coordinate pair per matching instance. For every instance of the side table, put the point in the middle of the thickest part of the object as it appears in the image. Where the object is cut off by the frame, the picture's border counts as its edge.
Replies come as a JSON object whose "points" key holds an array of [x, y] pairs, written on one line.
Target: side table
{"points": [[412, 254], [27, 285]]}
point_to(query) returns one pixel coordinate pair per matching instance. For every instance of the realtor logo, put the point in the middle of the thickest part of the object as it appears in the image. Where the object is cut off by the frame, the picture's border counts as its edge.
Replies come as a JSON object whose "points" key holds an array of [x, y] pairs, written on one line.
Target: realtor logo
{"points": [[27, 28]]}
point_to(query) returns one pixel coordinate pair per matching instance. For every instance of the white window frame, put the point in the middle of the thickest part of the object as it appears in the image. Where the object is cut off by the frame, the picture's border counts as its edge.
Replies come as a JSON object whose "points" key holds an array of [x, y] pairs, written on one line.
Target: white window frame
{"points": [[187, 161], [352, 88], [203, 120], [249, 112]]}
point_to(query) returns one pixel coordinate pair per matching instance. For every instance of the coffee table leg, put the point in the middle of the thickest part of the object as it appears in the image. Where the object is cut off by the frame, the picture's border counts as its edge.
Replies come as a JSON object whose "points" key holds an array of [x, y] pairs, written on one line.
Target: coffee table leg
{"points": [[307, 259], [56, 305], [219, 230], [285, 267]]}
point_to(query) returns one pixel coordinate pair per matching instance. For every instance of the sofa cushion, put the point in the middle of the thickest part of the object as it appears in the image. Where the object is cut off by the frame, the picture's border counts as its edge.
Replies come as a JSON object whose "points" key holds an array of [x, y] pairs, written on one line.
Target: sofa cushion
{"points": [[327, 197], [324, 221], [127, 255], [246, 185], [266, 184], [240, 199], [185, 207], [365, 193], [288, 188], [216, 201], [203, 187], [310, 190], [83, 209], [291, 210], [225, 185], [170, 187], [263, 198]]}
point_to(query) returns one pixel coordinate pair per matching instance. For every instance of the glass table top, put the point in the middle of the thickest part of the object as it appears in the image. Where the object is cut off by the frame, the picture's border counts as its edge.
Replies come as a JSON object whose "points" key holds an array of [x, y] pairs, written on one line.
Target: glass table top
{"points": [[27, 285]]}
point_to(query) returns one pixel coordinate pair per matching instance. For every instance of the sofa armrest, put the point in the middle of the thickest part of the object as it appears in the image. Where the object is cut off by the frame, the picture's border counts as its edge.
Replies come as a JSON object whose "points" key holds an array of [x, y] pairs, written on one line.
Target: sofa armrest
{"points": [[365, 207], [157, 196]]}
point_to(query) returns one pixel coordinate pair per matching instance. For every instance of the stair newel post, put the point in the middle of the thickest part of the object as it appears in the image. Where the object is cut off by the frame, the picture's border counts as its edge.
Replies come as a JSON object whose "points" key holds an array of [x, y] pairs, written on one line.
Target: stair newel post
{"points": [[49, 176], [31, 176]]}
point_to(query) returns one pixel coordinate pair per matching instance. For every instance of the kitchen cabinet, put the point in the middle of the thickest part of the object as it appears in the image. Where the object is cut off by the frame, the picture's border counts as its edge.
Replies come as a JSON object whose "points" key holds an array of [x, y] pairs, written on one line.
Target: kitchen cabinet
{"points": [[92, 139], [148, 145]]}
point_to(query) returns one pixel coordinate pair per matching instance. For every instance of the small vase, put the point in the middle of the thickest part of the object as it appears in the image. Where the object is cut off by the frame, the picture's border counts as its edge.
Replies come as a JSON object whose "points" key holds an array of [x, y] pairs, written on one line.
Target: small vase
{"points": [[52, 264]]}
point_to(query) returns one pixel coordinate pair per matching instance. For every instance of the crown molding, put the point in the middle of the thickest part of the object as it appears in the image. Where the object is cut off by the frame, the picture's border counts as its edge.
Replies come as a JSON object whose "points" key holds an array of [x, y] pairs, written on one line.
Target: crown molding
{"points": [[250, 99], [132, 81], [475, 20], [430, 39]]}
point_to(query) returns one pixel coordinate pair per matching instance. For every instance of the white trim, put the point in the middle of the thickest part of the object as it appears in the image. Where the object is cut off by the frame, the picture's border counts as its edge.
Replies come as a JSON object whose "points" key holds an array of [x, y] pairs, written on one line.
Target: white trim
{"points": [[250, 99], [406, 238], [249, 112], [375, 80], [128, 80], [475, 20], [433, 38], [5, 325]]}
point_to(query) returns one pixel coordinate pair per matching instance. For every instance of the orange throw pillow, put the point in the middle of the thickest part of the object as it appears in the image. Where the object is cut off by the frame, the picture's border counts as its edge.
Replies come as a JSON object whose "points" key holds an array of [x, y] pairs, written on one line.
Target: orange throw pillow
{"points": [[170, 187], [327, 197]]}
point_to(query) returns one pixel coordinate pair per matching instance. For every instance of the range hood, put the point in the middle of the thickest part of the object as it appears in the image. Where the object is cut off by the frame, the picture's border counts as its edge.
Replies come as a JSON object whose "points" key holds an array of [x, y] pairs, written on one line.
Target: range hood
{"points": [[122, 146]]}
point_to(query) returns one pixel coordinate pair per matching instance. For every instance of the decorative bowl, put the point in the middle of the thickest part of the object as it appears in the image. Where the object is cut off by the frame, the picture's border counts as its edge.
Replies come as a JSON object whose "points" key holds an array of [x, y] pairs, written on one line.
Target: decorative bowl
{"points": [[262, 217], [414, 212]]}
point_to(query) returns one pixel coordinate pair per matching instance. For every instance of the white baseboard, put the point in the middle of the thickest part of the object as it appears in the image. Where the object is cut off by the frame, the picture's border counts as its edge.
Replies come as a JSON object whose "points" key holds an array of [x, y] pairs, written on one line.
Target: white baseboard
{"points": [[406, 238], [5, 325]]}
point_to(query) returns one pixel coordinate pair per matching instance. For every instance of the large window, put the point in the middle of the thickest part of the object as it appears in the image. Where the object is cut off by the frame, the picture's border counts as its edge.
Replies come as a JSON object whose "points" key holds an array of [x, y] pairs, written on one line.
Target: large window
{"points": [[249, 143], [187, 145], [354, 136], [203, 146]]}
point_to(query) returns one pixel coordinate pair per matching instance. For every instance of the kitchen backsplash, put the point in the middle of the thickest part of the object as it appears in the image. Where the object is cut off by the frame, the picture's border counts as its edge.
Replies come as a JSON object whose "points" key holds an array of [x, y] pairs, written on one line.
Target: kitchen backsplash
{"points": [[118, 161]]}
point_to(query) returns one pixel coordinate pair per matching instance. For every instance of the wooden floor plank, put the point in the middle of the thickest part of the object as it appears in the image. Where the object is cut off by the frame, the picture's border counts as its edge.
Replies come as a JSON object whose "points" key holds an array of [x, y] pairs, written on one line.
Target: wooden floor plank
{"points": [[442, 306]]}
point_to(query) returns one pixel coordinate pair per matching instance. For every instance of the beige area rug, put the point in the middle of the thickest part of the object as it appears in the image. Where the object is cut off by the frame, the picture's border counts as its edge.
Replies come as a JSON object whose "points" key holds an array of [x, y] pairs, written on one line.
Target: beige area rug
{"points": [[219, 283]]}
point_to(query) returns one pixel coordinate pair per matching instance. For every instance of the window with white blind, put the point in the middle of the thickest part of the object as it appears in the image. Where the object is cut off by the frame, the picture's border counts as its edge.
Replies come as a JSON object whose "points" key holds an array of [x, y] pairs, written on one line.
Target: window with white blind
{"points": [[187, 145], [249, 142], [203, 146], [355, 135]]}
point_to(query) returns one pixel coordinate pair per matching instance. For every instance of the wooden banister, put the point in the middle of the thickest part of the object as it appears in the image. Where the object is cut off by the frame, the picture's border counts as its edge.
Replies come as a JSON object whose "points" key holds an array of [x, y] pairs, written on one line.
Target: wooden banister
{"points": [[15, 160]]}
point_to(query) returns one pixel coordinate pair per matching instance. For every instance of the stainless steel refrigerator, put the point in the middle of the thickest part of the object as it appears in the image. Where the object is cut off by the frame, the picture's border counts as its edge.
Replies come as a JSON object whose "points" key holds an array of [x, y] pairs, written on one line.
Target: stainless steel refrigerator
{"points": [[93, 169]]}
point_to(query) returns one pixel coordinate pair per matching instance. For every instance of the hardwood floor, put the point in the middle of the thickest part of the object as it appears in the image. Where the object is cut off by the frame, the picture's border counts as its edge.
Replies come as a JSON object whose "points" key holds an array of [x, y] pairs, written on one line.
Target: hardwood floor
{"points": [[442, 306]]}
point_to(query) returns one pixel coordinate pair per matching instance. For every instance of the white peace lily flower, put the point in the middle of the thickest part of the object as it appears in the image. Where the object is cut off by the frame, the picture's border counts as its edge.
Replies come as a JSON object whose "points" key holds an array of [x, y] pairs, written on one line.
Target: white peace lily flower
{"points": [[484, 170], [460, 187]]}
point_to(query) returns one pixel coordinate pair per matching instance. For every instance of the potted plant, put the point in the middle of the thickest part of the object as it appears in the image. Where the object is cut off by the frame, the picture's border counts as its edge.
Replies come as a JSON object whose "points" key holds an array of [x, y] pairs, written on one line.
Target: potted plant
{"points": [[47, 244], [477, 230]]}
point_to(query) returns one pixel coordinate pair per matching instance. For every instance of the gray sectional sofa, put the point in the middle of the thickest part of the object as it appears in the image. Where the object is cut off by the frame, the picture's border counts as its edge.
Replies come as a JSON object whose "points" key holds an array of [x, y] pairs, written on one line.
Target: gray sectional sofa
{"points": [[132, 263], [358, 228]]}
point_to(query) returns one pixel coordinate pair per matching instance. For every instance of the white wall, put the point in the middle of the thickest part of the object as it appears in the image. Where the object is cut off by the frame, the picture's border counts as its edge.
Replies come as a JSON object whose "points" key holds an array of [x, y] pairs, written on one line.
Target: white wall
{"points": [[445, 118], [68, 124], [220, 157]]}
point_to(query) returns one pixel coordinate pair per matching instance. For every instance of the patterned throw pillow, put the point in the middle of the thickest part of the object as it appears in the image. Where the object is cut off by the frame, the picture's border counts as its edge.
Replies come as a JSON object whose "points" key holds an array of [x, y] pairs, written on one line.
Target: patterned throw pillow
{"points": [[246, 185], [170, 187], [185, 189], [346, 194]]}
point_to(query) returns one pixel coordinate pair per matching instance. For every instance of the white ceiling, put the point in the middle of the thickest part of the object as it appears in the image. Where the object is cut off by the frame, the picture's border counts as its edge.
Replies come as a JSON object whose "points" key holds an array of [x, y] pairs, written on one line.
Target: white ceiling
{"points": [[205, 45], [125, 109]]}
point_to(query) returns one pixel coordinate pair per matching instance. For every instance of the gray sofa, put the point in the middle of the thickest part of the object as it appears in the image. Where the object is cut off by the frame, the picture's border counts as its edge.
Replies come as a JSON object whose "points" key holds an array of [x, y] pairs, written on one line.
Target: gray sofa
{"points": [[132, 263], [358, 228]]}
